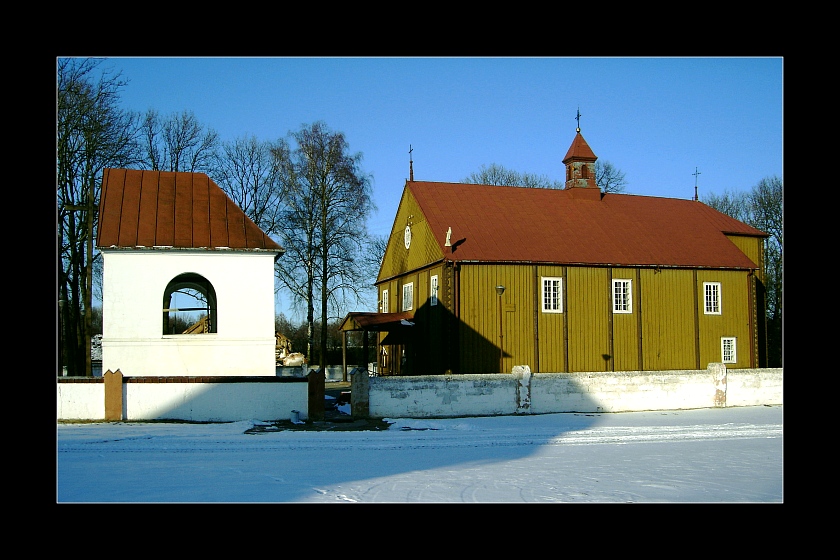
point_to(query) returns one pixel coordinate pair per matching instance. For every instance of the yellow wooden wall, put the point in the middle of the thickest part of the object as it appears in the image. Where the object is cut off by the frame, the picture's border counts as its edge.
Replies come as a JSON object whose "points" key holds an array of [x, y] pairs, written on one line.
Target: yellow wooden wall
{"points": [[551, 327], [666, 330], [733, 320], [626, 326], [668, 318], [423, 249], [753, 248]]}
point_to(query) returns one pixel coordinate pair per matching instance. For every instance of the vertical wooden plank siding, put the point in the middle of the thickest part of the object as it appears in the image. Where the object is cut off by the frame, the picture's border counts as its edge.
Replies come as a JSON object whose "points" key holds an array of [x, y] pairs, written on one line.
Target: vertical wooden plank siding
{"points": [[552, 340], [753, 247], [697, 290], [625, 326], [588, 316], [667, 319], [640, 306], [479, 324], [494, 340], [733, 321]]}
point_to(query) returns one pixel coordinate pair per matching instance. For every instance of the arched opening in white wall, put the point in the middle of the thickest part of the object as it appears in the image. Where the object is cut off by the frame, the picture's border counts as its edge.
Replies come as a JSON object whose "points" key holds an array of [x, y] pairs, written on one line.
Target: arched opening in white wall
{"points": [[189, 305]]}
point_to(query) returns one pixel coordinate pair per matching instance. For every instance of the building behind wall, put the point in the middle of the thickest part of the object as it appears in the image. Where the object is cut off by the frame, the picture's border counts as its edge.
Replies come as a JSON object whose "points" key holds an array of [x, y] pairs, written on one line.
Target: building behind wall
{"points": [[568, 280]]}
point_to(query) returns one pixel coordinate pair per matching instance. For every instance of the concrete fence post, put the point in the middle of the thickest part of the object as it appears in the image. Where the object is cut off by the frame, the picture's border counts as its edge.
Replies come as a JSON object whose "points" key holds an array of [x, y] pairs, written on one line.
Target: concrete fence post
{"points": [[359, 393], [718, 372], [523, 388], [113, 395]]}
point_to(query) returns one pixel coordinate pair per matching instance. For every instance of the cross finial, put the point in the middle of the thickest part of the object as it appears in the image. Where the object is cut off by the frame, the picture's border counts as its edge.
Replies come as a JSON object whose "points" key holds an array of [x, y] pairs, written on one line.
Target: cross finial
{"points": [[696, 173], [410, 164], [578, 120]]}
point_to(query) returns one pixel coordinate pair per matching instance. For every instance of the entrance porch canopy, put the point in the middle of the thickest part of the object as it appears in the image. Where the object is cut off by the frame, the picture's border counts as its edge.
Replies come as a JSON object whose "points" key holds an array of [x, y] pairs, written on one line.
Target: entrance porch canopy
{"points": [[369, 321]]}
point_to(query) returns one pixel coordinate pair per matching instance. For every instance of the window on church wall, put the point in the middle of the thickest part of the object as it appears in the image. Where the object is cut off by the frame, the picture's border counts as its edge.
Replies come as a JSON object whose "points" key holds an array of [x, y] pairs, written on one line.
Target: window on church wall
{"points": [[584, 171], [408, 297], [728, 349], [189, 305], [552, 295], [711, 291], [622, 296]]}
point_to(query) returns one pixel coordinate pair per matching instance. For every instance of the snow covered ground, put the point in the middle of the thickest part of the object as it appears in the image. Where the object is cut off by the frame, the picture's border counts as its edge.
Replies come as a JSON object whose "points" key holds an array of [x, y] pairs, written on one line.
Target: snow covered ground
{"points": [[709, 455]]}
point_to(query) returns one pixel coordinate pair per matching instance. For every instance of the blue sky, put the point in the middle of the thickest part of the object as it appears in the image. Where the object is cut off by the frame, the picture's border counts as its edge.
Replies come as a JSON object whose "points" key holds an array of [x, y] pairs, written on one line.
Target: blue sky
{"points": [[655, 119]]}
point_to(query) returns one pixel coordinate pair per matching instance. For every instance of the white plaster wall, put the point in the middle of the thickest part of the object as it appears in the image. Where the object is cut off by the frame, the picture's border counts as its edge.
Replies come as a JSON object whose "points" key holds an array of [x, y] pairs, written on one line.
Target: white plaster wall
{"points": [[622, 391], [80, 401], [545, 393], [215, 402], [198, 402], [754, 387], [133, 285], [423, 396]]}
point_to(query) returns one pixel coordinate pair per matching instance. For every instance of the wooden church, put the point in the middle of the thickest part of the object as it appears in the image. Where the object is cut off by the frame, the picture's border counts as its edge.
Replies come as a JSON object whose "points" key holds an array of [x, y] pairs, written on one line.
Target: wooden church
{"points": [[480, 278]]}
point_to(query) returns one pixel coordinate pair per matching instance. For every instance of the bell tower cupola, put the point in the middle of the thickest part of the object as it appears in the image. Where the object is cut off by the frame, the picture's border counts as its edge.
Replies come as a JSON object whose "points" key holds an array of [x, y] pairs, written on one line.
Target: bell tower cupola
{"points": [[580, 163]]}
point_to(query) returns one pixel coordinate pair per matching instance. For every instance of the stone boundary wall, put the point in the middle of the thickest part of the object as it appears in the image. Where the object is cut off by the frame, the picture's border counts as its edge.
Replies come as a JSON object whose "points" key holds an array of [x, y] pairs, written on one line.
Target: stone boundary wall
{"points": [[523, 392]]}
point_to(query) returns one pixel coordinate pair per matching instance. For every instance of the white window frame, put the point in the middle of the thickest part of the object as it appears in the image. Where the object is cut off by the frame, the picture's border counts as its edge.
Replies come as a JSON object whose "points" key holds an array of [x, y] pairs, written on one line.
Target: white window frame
{"points": [[433, 289], [728, 349], [408, 296], [551, 303], [624, 287], [384, 307], [711, 298]]}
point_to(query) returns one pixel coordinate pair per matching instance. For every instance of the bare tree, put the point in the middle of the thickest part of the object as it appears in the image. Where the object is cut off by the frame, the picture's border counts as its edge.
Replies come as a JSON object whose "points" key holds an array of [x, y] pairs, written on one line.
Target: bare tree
{"points": [[177, 143], [499, 175], [763, 208], [246, 171], [91, 133], [609, 178], [327, 199]]}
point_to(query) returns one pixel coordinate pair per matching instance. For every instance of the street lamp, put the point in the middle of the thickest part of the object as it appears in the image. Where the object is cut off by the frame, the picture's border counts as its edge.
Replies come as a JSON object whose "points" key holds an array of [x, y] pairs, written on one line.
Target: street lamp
{"points": [[500, 290]]}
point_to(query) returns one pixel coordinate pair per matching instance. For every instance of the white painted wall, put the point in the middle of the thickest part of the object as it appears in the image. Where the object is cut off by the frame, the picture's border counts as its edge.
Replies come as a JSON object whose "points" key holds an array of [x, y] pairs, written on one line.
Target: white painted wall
{"points": [[215, 402], [79, 399], [523, 392], [134, 282]]}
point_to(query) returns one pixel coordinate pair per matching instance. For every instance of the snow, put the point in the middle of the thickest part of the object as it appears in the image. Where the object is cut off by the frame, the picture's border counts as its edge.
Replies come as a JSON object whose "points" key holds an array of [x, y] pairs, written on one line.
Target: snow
{"points": [[707, 455]]}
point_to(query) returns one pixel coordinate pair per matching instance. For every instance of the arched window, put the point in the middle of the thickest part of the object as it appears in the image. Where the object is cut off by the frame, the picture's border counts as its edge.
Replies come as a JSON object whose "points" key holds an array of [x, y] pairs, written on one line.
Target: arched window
{"points": [[189, 305]]}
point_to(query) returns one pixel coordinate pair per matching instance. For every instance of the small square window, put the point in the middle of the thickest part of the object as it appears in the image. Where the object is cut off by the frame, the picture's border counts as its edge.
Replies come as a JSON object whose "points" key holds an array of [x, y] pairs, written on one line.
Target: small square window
{"points": [[552, 295], [729, 350], [712, 298], [622, 296]]}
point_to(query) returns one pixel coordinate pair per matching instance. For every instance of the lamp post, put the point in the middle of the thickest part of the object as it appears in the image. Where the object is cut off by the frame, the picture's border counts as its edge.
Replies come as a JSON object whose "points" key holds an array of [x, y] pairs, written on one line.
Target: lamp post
{"points": [[500, 290]]}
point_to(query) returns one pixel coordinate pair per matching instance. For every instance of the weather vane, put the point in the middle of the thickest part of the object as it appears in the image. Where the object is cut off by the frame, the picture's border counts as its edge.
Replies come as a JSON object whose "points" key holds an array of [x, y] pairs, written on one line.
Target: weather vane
{"points": [[578, 119]]}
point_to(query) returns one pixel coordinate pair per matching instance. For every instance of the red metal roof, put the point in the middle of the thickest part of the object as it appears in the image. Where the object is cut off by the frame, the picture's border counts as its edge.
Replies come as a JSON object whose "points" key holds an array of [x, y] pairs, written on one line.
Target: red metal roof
{"points": [[579, 150], [518, 224], [172, 209]]}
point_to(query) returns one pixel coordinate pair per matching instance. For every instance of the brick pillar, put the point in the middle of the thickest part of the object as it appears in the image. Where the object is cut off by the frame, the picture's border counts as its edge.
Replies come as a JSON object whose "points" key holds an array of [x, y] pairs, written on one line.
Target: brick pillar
{"points": [[113, 395], [317, 380]]}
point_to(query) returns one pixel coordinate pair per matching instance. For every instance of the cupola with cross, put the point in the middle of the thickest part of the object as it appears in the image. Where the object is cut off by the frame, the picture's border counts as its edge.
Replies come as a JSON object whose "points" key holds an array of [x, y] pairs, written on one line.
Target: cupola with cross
{"points": [[580, 165]]}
